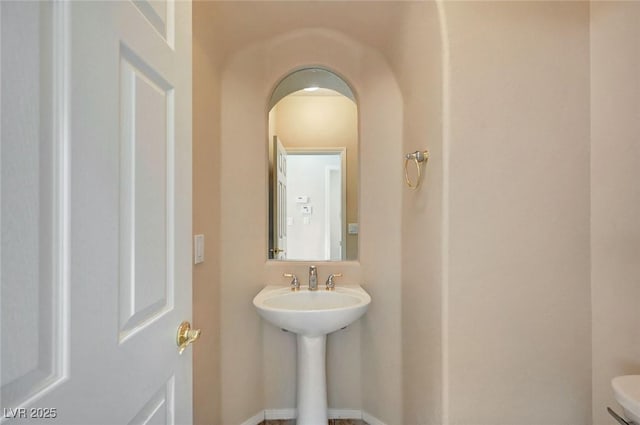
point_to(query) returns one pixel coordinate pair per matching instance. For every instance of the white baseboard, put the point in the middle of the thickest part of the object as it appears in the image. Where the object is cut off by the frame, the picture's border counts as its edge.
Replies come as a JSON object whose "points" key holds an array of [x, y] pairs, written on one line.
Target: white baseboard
{"points": [[371, 420], [280, 413], [274, 414], [255, 419], [344, 414]]}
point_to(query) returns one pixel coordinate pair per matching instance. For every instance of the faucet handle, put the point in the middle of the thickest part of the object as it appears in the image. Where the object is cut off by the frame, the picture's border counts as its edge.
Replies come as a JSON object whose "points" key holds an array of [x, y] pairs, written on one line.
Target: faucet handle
{"points": [[330, 283], [295, 283]]}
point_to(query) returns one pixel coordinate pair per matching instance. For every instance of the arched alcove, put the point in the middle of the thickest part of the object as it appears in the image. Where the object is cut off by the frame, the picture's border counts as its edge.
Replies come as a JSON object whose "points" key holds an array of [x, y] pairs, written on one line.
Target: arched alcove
{"points": [[268, 354], [241, 51]]}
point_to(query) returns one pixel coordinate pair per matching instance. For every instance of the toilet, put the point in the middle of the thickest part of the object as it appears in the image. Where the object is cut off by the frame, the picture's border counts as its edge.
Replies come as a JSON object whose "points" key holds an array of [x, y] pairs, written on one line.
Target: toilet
{"points": [[626, 390]]}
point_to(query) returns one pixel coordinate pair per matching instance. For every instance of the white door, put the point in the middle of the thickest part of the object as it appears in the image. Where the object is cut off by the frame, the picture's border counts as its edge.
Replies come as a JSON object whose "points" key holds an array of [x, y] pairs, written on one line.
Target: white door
{"points": [[95, 211], [280, 199]]}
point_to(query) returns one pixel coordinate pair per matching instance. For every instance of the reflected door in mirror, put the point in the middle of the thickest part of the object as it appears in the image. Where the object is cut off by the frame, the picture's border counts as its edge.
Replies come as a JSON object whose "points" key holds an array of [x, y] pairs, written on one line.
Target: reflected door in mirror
{"points": [[279, 250]]}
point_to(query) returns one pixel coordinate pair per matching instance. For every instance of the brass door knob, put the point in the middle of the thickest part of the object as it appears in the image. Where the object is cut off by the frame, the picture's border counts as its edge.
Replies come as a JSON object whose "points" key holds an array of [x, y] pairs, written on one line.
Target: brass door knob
{"points": [[186, 336]]}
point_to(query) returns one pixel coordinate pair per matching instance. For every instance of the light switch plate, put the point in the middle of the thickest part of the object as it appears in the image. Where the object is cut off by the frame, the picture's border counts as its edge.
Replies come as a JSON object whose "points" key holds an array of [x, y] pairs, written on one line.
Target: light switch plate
{"points": [[198, 249]]}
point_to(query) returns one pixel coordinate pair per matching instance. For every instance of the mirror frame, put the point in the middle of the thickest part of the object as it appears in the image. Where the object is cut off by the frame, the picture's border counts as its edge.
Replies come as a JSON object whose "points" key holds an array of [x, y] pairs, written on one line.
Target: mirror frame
{"points": [[323, 77]]}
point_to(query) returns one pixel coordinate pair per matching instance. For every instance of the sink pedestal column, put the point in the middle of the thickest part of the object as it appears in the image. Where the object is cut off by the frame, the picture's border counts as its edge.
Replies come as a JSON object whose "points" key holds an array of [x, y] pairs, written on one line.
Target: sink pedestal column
{"points": [[312, 380]]}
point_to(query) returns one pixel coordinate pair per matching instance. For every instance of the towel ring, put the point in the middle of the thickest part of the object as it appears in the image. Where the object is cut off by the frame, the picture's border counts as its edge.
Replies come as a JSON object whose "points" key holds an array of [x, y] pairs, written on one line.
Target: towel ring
{"points": [[417, 157]]}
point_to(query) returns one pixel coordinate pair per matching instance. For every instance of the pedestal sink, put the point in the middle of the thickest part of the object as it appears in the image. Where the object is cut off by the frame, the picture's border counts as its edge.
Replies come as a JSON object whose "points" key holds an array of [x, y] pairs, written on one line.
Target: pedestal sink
{"points": [[626, 390], [312, 315]]}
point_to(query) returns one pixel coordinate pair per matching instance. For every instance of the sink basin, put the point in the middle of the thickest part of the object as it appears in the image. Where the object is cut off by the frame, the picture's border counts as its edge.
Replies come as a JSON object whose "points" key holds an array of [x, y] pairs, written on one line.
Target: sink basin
{"points": [[312, 313], [626, 390]]}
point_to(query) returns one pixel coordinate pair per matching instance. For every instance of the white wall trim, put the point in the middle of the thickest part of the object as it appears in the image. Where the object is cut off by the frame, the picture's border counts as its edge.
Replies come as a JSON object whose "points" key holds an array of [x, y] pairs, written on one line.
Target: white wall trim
{"points": [[345, 414], [274, 414], [445, 224], [255, 419], [281, 413], [371, 420]]}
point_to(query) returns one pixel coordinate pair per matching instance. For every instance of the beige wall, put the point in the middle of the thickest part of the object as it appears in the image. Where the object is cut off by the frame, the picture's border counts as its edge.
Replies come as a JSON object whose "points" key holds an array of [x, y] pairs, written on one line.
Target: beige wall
{"points": [[420, 78], [380, 108], [243, 242], [615, 197], [323, 121], [518, 313], [509, 292], [206, 212], [257, 352]]}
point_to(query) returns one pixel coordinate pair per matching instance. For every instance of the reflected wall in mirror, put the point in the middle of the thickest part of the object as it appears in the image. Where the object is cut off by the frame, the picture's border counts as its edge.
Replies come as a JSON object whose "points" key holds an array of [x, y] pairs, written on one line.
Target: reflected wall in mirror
{"points": [[313, 168]]}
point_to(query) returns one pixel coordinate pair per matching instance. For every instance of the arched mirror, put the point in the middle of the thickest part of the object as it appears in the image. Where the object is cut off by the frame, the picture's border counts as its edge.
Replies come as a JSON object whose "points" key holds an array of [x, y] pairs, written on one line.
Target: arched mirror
{"points": [[313, 168]]}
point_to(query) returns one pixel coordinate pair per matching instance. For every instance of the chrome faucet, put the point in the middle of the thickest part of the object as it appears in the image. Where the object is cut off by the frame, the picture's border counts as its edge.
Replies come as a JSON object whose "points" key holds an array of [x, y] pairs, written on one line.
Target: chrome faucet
{"points": [[330, 284], [313, 278], [295, 283]]}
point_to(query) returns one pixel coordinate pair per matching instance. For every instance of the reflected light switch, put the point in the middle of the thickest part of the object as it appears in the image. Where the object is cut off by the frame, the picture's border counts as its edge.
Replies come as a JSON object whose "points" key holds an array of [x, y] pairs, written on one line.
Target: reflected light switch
{"points": [[198, 249]]}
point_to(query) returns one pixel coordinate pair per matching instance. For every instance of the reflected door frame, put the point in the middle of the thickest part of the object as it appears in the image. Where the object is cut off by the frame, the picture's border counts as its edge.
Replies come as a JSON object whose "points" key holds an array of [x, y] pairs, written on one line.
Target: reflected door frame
{"points": [[342, 152]]}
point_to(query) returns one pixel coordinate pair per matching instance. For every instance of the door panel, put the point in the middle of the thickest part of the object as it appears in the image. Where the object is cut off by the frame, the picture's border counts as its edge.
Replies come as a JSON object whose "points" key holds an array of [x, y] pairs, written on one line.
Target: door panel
{"points": [[160, 15], [33, 212], [159, 409], [146, 194]]}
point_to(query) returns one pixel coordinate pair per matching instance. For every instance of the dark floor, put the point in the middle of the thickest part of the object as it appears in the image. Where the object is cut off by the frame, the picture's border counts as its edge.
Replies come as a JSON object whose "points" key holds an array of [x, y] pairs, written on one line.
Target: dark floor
{"points": [[331, 422]]}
